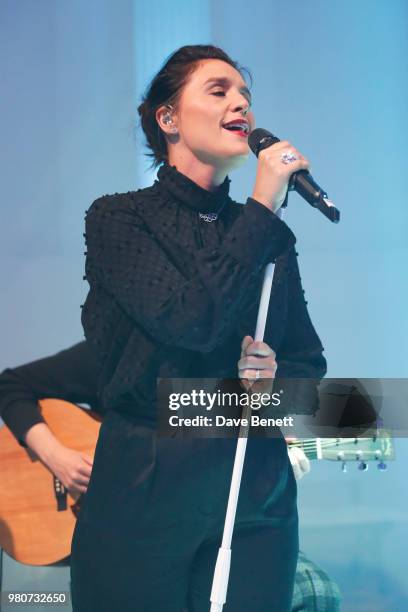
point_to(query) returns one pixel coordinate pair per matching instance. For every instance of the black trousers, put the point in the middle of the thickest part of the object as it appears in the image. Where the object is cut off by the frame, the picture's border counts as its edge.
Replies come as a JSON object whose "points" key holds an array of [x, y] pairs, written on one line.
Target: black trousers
{"points": [[151, 523]]}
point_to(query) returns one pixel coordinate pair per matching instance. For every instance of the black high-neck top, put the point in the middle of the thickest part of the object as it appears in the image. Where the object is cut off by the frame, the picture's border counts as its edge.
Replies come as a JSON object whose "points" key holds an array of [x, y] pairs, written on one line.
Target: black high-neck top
{"points": [[173, 295], [188, 193]]}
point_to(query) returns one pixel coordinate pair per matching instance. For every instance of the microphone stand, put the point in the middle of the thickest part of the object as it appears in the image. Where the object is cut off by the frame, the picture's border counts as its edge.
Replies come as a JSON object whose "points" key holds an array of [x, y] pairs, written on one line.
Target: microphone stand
{"points": [[222, 567]]}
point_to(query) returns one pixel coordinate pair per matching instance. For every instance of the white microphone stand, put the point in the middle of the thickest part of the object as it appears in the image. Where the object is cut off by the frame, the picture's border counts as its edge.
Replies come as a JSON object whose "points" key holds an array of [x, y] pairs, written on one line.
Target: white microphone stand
{"points": [[222, 568]]}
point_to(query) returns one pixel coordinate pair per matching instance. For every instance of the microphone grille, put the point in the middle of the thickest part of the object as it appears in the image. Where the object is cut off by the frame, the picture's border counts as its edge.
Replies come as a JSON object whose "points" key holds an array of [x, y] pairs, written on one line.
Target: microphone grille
{"points": [[260, 139]]}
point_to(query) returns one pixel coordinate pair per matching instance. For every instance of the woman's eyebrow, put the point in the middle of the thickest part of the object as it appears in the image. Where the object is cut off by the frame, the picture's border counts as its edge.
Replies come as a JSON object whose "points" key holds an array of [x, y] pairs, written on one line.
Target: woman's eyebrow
{"points": [[226, 81]]}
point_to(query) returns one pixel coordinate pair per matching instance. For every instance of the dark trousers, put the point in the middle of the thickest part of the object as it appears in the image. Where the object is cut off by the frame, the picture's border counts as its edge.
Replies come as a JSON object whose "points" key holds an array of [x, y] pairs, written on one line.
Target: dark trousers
{"points": [[149, 530]]}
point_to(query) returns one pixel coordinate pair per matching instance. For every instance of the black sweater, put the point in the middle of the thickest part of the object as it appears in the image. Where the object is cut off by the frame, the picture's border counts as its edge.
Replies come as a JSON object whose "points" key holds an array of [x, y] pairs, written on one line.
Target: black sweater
{"points": [[70, 375], [172, 295]]}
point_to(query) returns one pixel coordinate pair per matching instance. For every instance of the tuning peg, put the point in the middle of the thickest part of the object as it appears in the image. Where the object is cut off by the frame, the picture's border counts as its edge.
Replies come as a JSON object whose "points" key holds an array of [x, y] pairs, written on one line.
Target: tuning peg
{"points": [[382, 466], [363, 466], [344, 467]]}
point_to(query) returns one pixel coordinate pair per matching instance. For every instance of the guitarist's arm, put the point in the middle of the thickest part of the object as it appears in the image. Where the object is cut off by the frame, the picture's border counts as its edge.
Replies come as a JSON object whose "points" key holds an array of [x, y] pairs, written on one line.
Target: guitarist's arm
{"points": [[68, 375]]}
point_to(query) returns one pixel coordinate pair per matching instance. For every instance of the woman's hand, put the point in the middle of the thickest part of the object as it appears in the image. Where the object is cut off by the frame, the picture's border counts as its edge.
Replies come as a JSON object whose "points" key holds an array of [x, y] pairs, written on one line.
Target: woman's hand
{"points": [[256, 356], [273, 174]]}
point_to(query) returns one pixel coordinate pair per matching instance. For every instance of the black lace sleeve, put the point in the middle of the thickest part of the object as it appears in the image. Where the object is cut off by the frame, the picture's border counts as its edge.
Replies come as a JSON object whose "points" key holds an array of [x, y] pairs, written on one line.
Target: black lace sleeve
{"points": [[301, 364], [301, 352]]}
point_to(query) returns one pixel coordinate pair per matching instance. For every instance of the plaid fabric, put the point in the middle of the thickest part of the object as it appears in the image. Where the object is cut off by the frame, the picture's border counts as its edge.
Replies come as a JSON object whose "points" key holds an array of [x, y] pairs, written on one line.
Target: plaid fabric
{"points": [[314, 591]]}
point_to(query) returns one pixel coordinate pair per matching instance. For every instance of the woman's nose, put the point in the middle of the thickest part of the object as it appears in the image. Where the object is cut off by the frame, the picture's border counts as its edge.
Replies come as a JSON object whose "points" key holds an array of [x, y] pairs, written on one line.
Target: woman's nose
{"points": [[241, 104]]}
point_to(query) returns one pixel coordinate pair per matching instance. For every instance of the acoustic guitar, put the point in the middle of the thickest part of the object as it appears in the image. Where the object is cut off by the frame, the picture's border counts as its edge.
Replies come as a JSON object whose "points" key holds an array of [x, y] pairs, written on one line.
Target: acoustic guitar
{"points": [[38, 515]]}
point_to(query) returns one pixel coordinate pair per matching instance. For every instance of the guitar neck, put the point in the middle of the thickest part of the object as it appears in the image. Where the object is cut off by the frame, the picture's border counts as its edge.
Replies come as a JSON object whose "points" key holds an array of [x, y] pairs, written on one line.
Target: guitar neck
{"points": [[376, 448], [312, 447]]}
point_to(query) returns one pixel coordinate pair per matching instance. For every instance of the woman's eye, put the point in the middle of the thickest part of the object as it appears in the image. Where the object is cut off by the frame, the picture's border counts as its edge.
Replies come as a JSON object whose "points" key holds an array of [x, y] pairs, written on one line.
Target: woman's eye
{"points": [[218, 93]]}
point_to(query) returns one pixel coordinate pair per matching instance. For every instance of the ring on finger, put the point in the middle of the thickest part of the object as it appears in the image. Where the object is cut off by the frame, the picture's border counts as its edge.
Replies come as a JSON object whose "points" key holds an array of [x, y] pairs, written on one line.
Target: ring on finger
{"points": [[288, 157]]}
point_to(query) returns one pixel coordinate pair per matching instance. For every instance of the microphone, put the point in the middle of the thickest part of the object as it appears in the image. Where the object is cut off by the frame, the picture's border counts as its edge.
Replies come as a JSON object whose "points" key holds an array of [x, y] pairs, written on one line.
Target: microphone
{"points": [[300, 181]]}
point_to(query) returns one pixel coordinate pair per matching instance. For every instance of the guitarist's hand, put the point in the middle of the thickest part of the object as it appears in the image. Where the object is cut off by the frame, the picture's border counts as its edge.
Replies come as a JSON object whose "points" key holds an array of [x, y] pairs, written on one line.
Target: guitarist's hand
{"points": [[298, 459], [72, 468]]}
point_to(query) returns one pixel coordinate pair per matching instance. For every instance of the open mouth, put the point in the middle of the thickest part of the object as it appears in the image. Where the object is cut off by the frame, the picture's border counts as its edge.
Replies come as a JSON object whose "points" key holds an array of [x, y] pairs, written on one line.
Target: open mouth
{"points": [[241, 128]]}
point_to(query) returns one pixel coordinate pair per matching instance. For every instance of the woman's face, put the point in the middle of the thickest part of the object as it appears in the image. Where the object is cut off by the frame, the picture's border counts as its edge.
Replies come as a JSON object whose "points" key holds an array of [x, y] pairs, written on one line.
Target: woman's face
{"points": [[214, 95]]}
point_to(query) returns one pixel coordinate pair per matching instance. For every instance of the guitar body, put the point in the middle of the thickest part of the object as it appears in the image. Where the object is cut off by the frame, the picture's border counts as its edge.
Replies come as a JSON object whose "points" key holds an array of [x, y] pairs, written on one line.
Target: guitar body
{"points": [[32, 528]]}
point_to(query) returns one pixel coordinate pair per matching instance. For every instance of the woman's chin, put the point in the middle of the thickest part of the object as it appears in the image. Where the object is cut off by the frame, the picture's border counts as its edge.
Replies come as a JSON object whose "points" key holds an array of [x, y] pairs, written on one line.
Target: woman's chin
{"points": [[236, 160], [225, 158]]}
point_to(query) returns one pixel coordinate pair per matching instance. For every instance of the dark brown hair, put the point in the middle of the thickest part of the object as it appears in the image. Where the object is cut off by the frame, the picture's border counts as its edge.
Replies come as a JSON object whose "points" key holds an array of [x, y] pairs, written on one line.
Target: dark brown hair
{"points": [[166, 87]]}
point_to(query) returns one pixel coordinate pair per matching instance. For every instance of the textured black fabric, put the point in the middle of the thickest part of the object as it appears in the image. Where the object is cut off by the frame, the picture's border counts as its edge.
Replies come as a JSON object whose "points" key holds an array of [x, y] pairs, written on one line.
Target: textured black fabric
{"points": [[172, 295]]}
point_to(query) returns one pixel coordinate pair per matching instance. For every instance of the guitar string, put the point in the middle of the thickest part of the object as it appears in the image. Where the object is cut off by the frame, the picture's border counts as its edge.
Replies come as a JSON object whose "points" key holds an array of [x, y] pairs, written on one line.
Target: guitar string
{"points": [[332, 442]]}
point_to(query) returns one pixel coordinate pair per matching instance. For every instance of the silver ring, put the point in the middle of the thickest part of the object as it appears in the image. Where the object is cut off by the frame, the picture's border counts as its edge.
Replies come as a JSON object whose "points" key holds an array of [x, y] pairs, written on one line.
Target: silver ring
{"points": [[257, 375], [288, 157]]}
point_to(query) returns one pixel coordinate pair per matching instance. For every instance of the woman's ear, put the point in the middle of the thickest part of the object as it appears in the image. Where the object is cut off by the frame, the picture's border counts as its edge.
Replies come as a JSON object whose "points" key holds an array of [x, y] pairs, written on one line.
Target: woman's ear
{"points": [[166, 118]]}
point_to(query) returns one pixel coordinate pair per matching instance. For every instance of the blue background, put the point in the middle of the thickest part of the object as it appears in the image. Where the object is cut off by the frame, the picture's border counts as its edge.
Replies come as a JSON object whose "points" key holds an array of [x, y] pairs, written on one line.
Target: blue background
{"points": [[329, 76]]}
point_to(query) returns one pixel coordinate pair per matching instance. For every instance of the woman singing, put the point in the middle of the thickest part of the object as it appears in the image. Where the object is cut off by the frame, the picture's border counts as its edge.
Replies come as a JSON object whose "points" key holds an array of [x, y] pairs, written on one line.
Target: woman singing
{"points": [[175, 272]]}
